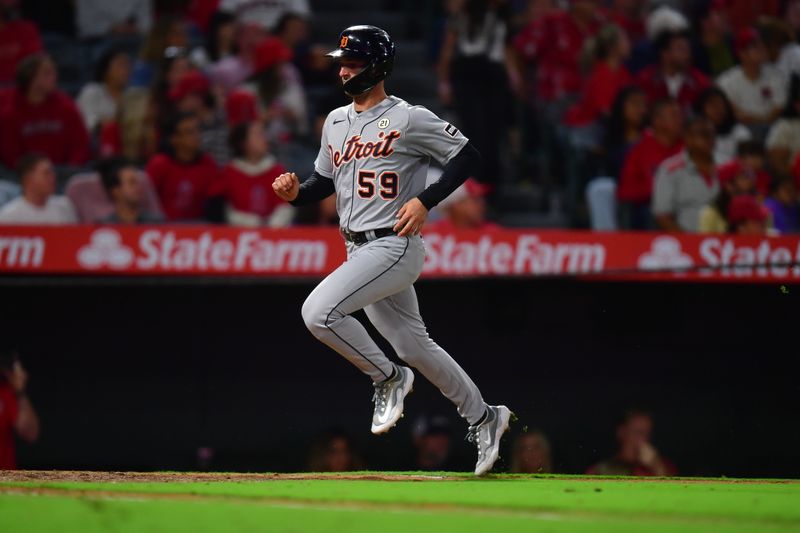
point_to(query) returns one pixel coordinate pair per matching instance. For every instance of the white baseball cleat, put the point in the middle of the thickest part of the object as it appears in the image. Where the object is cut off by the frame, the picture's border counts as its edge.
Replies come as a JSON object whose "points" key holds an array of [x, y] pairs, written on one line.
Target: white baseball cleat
{"points": [[388, 399], [486, 436]]}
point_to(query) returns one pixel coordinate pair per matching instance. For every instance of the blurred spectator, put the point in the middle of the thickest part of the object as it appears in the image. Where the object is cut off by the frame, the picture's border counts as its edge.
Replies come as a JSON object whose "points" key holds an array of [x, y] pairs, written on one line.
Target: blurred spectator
{"points": [[735, 178], [172, 69], [791, 14], [201, 12], [19, 39], [782, 47], [756, 90], [17, 415], [433, 443], [673, 76], [688, 181], [608, 49], [251, 200], [279, 90], [167, 33], [746, 216], [712, 49], [752, 161], [624, 129], [230, 72], [192, 94], [332, 451], [661, 21], [187, 180], [531, 454], [123, 184], [784, 206], [713, 104], [220, 40], [742, 13], [474, 74], [628, 15], [264, 14], [38, 203], [636, 455], [98, 100], [37, 117], [465, 208], [635, 187], [98, 18], [554, 43], [783, 140]]}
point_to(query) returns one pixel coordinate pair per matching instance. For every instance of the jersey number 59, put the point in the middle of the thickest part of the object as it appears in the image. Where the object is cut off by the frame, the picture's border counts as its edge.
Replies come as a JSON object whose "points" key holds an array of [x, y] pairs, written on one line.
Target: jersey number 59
{"points": [[388, 182]]}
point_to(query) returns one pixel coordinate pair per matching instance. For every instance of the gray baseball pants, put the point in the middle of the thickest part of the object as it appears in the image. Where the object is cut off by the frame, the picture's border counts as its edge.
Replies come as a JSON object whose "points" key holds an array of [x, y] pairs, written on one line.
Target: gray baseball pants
{"points": [[378, 277]]}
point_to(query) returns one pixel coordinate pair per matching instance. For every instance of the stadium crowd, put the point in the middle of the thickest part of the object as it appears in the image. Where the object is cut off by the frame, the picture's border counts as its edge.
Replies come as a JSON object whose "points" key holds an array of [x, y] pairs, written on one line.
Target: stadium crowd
{"points": [[640, 114]]}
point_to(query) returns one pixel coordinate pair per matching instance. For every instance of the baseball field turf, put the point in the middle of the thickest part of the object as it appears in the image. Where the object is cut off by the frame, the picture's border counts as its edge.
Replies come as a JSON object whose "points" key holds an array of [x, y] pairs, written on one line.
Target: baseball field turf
{"points": [[388, 502]]}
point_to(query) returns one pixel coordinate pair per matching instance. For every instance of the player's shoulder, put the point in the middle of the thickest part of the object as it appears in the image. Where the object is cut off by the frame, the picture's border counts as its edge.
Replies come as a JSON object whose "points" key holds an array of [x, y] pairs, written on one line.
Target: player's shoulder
{"points": [[339, 113]]}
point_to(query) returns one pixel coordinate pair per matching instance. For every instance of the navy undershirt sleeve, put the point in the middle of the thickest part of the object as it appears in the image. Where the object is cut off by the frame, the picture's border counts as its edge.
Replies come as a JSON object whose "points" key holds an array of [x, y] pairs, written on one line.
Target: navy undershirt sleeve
{"points": [[456, 172], [317, 187]]}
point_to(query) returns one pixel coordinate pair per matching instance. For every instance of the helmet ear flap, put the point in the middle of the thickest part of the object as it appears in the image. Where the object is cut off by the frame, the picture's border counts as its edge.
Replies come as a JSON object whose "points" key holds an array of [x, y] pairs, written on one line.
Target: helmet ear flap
{"points": [[365, 80]]}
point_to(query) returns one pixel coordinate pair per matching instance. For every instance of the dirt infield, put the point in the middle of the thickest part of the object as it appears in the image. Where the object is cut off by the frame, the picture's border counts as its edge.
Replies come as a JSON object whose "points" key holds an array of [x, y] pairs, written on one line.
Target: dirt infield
{"points": [[70, 476], [196, 477]]}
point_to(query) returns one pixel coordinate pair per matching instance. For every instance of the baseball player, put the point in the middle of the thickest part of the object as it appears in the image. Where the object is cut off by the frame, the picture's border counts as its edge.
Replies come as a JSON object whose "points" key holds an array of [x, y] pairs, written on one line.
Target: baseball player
{"points": [[374, 157]]}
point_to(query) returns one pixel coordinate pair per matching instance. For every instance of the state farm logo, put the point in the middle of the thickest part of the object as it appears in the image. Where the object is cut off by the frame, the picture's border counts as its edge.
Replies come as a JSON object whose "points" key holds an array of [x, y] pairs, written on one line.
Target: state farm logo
{"points": [[171, 251], [105, 249], [665, 254], [528, 254]]}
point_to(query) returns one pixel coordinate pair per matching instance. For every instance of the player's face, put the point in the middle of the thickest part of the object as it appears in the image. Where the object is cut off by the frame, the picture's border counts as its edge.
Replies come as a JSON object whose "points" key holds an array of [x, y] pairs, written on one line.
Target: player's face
{"points": [[349, 68]]}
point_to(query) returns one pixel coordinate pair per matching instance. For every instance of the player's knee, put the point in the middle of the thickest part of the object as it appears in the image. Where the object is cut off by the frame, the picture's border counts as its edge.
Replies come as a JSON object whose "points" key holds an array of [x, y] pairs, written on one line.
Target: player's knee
{"points": [[312, 316], [317, 316]]}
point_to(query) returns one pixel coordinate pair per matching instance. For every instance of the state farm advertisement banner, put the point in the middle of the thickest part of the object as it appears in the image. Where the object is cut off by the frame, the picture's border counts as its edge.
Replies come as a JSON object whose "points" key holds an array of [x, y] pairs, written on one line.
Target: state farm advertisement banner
{"points": [[313, 252]]}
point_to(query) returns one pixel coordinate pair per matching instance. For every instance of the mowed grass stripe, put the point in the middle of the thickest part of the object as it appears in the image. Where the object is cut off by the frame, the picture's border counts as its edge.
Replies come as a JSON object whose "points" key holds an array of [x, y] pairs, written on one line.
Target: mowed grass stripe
{"points": [[152, 512], [764, 503]]}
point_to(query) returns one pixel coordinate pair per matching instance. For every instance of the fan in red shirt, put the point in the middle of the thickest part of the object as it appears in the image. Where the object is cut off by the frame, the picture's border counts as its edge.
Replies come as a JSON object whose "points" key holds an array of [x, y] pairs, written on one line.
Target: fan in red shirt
{"points": [[18, 40], [186, 179], [37, 117], [16, 411], [661, 142], [674, 76], [247, 180], [608, 77], [554, 43], [628, 15]]}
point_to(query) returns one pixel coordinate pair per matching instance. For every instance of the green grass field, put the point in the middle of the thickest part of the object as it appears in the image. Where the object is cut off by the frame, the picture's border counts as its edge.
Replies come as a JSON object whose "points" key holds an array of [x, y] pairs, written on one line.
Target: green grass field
{"points": [[388, 503]]}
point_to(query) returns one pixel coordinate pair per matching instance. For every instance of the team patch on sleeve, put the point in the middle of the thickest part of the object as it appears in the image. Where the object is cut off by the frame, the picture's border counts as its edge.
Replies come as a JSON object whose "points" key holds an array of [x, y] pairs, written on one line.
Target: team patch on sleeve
{"points": [[451, 130]]}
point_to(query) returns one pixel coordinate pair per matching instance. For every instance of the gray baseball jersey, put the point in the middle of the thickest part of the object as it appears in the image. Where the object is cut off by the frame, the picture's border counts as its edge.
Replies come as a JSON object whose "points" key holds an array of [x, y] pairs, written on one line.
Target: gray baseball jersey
{"points": [[378, 159]]}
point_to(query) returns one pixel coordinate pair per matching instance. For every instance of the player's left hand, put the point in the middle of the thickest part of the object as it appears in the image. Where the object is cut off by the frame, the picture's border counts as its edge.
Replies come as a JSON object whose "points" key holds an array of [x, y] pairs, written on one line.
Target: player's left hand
{"points": [[411, 218]]}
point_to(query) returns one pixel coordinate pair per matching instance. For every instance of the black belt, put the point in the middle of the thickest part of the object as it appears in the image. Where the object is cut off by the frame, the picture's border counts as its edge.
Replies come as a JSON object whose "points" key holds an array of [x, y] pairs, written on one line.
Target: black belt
{"points": [[363, 237]]}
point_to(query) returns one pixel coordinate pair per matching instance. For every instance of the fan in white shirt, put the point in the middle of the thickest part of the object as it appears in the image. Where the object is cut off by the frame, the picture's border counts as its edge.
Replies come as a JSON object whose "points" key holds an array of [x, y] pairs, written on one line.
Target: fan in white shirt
{"points": [[38, 204], [756, 90]]}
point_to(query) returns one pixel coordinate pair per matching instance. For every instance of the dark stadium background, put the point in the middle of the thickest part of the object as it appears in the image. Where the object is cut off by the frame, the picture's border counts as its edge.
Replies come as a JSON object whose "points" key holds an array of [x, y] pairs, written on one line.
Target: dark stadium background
{"points": [[138, 375]]}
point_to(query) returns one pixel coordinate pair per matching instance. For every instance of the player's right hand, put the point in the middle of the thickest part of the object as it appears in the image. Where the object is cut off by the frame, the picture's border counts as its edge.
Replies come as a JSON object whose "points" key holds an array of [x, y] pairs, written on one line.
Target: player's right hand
{"points": [[286, 186]]}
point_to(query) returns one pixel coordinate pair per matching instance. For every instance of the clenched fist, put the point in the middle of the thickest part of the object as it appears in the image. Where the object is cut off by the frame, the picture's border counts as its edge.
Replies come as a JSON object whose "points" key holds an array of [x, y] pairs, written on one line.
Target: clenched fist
{"points": [[287, 186]]}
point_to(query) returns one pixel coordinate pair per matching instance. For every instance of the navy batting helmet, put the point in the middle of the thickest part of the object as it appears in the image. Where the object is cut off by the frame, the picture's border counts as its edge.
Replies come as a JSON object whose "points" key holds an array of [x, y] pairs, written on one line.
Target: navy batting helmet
{"points": [[369, 44]]}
